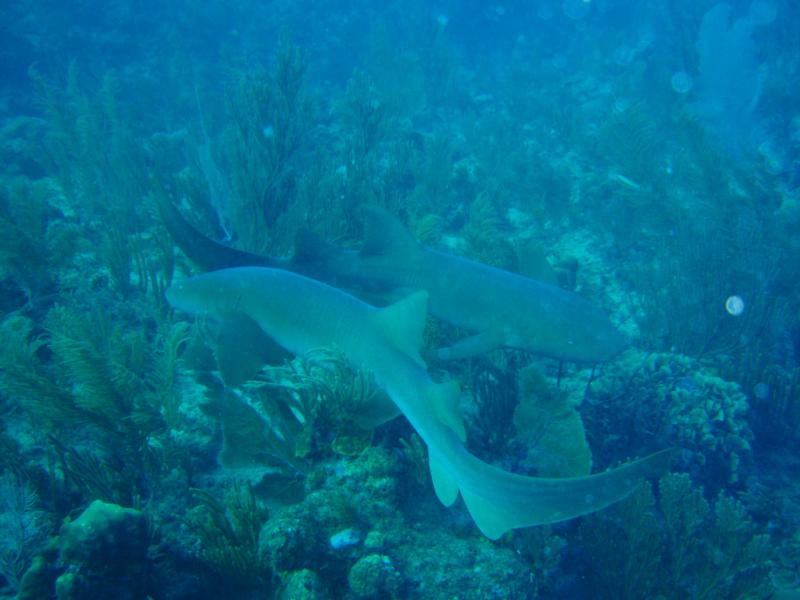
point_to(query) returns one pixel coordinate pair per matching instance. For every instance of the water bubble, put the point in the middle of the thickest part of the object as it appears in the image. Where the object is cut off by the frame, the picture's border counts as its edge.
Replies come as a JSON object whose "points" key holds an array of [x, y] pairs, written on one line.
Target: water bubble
{"points": [[734, 305], [576, 9], [761, 390], [681, 82], [442, 20], [268, 131]]}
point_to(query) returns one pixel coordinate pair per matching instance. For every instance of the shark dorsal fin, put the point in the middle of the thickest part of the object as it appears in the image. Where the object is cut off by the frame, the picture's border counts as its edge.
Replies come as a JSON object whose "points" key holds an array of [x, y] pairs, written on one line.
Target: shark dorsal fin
{"points": [[533, 263], [385, 234], [403, 322], [243, 349]]}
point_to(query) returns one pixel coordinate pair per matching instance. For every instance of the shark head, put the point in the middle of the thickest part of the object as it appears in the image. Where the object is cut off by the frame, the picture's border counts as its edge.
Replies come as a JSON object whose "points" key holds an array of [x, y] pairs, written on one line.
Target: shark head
{"points": [[606, 340], [570, 328], [594, 339], [215, 294]]}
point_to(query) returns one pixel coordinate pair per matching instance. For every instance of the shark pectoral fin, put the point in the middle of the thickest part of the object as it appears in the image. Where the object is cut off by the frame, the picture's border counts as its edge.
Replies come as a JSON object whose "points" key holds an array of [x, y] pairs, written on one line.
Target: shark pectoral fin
{"points": [[445, 486], [403, 322], [506, 501], [473, 345], [443, 400], [243, 349], [377, 411]]}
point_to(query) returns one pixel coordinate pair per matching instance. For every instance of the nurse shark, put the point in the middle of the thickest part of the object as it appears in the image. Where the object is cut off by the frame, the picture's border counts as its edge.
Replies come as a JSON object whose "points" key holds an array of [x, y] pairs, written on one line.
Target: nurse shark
{"points": [[500, 308], [303, 314]]}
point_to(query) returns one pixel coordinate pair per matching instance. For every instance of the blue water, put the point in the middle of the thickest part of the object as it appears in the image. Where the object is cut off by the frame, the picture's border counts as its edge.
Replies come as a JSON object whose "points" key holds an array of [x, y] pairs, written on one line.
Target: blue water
{"points": [[643, 155]]}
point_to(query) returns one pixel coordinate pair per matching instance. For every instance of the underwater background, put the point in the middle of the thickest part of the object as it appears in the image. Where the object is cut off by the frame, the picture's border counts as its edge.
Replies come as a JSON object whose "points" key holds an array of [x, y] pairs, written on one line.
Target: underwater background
{"points": [[642, 154]]}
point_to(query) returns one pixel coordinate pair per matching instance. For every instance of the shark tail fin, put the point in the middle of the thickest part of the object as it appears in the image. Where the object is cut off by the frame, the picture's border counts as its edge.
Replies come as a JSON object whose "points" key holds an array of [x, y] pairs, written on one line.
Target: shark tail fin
{"points": [[506, 501], [385, 234], [403, 322], [202, 250]]}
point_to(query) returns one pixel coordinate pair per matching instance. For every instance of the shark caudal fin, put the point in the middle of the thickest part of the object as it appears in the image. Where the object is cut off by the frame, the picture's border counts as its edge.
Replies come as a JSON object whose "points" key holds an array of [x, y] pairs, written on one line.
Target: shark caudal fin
{"points": [[202, 250], [505, 501]]}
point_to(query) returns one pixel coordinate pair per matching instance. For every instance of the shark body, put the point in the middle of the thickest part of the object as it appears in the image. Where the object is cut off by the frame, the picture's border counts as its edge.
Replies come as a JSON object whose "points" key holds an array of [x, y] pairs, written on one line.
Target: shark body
{"points": [[500, 308], [302, 314]]}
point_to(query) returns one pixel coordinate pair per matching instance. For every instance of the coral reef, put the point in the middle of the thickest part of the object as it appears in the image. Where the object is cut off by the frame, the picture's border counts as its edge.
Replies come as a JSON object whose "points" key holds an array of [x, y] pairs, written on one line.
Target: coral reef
{"points": [[182, 470], [103, 530], [668, 399]]}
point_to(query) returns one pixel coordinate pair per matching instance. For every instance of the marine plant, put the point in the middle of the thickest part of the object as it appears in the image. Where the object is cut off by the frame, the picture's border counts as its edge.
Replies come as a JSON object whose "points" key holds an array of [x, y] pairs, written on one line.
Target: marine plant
{"points": [[695, 274], [485, 232], [629, 140], [365, 115], [495, 394], [287, 417], [269, 114], [324, 394], [88, 374], [228, 533], [676, 545], [23, 527], [90, 147], [775, 402], [27, 254]]}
